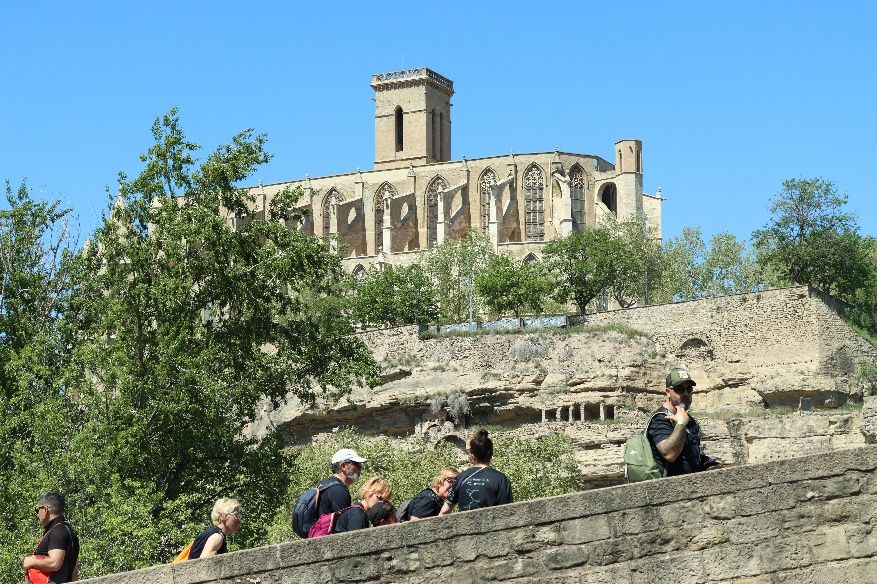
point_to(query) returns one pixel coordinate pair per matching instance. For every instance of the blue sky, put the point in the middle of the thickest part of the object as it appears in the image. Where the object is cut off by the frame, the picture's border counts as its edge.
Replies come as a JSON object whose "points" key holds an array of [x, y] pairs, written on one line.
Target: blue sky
{"points": [[729, 99]]}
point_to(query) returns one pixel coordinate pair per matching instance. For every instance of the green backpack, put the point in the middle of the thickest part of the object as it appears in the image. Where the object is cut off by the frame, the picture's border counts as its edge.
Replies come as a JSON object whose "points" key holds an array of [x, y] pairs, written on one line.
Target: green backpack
{"points": [[639, 462]]}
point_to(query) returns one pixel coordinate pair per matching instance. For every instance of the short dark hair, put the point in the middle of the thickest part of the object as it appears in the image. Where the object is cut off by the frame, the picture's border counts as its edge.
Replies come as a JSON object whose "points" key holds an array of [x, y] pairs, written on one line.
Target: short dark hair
{"points": [[54, 500], [336, 467], [380, 511], [481, 446]]}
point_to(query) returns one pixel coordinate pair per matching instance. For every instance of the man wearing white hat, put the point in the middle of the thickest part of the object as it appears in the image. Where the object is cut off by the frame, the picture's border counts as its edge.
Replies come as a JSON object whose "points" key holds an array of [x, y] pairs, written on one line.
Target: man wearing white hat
{"points": [[346, 468]]}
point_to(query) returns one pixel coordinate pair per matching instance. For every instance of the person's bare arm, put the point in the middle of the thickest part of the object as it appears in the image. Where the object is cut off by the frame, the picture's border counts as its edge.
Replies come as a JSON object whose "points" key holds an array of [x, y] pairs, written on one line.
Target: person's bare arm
{"points": [[51, 563], [214, 542], [446, 508], [670, 448]]}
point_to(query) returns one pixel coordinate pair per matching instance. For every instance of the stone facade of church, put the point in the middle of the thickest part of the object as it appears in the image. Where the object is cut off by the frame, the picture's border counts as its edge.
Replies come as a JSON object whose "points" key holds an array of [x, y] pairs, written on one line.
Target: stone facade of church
{"points": [[416, 196]]}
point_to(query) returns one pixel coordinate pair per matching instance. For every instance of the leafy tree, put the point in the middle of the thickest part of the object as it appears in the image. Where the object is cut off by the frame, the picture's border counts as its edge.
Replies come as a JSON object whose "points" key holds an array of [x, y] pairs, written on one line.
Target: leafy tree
{"points": [[694, 269], [453, 267], [185, 326], [37, 274], [639, 266], [585, 265], [811, 238], [395, 295], [509, 286]]}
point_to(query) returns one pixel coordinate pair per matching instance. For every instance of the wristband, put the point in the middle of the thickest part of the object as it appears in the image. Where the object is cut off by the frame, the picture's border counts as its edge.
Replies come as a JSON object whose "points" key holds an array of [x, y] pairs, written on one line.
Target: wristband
{"points": [[681, 423]]}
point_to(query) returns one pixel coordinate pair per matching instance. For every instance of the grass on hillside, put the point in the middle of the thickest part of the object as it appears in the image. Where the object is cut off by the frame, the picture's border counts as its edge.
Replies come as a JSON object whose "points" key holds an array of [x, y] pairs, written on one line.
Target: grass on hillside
{"points": [[625, 330]]}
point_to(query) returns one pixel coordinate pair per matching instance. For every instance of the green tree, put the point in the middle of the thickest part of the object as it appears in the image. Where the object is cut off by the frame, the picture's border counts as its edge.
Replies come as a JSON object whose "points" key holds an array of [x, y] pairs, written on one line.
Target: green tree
{"points": [[37, 274], [812, 239], [639, 265], [453, 267], [585, 265], [185, 326], [694, 269], [509, 286], [395, 295]]}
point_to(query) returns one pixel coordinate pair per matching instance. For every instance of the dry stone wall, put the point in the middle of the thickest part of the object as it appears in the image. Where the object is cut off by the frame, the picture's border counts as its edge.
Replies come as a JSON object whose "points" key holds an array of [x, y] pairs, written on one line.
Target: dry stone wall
{"points": [[801, 521], [784, 326]]}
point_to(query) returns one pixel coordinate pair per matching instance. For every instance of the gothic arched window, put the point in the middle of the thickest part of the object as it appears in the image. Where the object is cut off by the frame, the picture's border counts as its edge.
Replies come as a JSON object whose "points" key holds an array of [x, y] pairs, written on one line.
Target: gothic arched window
{"points": [[577, 185], [385, 194], [609, 197], [534, 199], [437, 185], [485, 183], [333, 196], [400, 133]]}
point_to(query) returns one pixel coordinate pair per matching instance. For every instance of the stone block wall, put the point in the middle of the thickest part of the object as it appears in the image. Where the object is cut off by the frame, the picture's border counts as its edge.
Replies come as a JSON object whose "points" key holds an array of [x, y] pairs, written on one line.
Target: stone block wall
{"points": [[800, 521]]}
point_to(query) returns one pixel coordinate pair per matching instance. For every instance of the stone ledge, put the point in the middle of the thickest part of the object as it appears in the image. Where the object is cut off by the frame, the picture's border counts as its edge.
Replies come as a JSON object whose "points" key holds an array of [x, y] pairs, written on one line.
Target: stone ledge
{"points": [[792, 500]]}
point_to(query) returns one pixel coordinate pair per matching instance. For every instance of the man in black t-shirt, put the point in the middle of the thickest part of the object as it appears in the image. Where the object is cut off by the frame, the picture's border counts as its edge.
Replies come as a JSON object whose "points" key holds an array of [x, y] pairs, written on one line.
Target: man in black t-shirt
{"points": [[57, 553], [346, 468], [673, 434]]}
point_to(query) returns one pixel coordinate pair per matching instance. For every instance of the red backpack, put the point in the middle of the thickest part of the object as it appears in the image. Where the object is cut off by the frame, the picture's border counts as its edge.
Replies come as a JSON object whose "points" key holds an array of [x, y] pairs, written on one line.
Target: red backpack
{"points": [[325, 524]]}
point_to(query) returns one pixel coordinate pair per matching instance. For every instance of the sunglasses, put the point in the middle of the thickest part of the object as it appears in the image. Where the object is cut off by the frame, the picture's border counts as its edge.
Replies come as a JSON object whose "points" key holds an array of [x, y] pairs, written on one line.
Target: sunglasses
{"points": [[684, 389]]}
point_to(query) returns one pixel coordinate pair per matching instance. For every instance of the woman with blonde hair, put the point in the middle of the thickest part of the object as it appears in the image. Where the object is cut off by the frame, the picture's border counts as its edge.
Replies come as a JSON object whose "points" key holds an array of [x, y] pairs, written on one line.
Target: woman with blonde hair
{"points": [[374, 496], [428, 502], [226, 519]]}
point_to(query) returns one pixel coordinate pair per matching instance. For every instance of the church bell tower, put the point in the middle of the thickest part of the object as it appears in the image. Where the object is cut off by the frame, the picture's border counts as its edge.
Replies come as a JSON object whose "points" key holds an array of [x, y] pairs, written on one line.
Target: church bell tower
{"points": [[412, 118]]}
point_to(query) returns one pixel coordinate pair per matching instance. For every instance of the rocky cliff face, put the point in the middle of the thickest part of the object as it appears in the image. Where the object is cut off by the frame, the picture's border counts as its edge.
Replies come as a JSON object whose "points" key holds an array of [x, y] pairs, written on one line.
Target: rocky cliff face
{"points": [[595, 387]]}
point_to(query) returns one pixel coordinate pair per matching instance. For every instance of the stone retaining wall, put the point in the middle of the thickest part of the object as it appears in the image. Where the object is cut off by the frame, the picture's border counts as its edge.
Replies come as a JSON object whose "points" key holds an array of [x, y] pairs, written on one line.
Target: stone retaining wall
{"points": [[800, 521]]}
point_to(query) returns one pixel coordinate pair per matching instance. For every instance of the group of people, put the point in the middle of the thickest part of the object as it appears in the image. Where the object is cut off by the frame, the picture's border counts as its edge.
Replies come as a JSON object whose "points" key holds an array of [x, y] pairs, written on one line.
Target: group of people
{"points": [[672, 432], [478, 486]]}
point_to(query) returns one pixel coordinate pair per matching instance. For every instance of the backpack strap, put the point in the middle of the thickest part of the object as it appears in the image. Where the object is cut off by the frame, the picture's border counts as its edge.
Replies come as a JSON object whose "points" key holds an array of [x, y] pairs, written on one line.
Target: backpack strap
{"points": [[652, 417]]}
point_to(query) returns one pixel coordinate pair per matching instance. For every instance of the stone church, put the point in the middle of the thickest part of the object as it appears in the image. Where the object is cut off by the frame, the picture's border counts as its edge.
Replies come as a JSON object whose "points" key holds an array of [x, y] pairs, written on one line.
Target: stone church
{"points": [[417, 196]]}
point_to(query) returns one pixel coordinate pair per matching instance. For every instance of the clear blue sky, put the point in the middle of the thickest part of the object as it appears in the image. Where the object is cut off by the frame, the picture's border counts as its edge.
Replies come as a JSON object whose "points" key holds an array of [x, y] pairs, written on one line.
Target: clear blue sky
{"points": [[729, 99]]}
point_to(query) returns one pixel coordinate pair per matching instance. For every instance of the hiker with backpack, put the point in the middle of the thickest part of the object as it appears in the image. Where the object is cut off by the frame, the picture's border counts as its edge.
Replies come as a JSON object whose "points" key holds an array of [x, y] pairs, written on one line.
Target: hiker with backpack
{"points": [[673, 434], [428, 502], [481, 485], [329, 495], [225, 519], [373, 508], [56, 556]]}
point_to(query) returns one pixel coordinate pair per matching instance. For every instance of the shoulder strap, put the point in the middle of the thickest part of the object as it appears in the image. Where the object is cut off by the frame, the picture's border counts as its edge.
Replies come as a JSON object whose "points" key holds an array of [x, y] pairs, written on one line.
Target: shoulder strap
{"points": [[652, 417], [320, 488], [45, 535], [472, 475]]}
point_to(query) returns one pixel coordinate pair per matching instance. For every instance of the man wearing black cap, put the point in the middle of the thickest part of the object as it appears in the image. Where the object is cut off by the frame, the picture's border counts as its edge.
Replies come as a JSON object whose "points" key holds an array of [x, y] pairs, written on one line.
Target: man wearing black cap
{"points": [[673, 434]]}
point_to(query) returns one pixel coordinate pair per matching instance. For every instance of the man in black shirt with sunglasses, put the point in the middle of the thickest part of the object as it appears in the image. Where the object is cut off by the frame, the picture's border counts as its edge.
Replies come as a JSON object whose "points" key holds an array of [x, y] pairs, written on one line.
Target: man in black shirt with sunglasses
{"points": [[673, 434]]}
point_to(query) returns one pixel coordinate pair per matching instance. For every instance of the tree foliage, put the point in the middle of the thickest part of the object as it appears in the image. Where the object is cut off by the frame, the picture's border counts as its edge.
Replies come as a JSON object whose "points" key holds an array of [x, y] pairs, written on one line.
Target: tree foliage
{"points": [[37, 275], [177, 328], [584, 264], [395, 295], [507, 286], [453, 266], [812, 239], [694, 269], [639, 264]]}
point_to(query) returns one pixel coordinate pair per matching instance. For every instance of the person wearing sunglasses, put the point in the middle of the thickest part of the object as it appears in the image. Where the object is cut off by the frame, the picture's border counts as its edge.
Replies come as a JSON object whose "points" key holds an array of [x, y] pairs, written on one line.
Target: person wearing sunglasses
{"points": [[226, 520], [673, 433], [56, 556]]}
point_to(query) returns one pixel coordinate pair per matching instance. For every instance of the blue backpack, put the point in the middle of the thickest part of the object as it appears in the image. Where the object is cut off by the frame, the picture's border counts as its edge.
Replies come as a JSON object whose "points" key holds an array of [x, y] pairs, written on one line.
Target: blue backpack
{"points": [[307, 509]]}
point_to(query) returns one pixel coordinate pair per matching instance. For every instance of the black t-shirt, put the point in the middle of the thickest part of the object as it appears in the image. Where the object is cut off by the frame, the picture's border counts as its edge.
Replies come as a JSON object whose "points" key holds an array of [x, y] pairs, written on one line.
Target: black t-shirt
{"points": [[479, 487], [425, 504], [58, 535], [201, 541], [691, 458], [334, 495], [351, 520]]}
